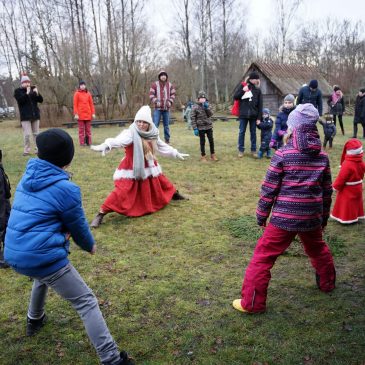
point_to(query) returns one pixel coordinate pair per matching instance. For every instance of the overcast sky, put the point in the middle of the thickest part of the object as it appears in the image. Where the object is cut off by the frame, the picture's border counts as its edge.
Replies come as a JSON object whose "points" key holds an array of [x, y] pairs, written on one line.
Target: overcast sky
{"points": [[261, 12]]}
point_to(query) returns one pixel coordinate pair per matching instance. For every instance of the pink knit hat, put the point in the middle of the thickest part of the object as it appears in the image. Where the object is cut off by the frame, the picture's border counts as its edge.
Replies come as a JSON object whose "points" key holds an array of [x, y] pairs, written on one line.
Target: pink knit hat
{"points": [[24, 78], [303, 114]]}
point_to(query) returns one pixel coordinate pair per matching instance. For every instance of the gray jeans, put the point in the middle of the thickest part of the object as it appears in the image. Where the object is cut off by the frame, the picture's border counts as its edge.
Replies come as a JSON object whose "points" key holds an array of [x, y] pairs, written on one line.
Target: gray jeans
{"points": [[30, 128], [68, 283]]}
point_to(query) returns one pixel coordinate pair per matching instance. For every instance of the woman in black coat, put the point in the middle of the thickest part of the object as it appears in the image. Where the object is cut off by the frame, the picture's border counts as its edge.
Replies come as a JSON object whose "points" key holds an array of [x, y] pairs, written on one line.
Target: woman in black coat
{"points": [[336, 105]]}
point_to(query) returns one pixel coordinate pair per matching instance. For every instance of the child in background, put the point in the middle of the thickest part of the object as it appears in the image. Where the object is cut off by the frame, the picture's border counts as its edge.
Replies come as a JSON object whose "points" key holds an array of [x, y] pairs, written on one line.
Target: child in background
{"points": [[299, 200], [280, 123], [265, 125], [329, 130], [349, 207], [140, 187], [47, 211], [187, 114], [4, 210], [203, 125]]}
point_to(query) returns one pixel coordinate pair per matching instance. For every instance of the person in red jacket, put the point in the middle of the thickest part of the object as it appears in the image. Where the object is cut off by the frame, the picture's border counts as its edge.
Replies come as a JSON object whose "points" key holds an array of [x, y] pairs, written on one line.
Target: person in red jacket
{"points": [[349, 206], [84, 111]]}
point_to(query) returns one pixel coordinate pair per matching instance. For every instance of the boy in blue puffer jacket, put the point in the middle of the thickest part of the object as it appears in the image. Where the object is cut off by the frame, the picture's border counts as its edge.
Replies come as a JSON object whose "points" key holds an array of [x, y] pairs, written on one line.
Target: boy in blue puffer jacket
{"points": [[47, 211], [280, 123]]}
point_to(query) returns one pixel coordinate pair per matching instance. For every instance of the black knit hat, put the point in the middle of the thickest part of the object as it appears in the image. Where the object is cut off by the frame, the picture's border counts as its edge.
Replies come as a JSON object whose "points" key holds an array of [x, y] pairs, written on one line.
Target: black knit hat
{"points": [[82, 82], [313, 84], [254, 75], [55, 146]]}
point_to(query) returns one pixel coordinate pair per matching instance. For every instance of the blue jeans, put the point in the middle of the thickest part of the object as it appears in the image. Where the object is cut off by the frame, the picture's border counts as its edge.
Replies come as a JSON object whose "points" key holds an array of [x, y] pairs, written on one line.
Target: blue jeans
{"points": [[242, 131], [165, 120]]}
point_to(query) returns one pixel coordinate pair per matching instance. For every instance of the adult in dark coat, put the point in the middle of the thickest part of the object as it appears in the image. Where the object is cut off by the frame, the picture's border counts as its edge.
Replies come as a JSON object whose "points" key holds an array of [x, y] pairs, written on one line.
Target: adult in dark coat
{"points": [[336, 106], [311, 94], [359, 116], [249, 96], [28, 98]]}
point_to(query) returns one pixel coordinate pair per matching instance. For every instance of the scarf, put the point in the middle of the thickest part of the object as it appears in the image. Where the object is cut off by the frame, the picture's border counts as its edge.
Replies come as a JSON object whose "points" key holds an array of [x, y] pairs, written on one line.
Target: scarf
{"points": [[335, 98], [138, 155]]}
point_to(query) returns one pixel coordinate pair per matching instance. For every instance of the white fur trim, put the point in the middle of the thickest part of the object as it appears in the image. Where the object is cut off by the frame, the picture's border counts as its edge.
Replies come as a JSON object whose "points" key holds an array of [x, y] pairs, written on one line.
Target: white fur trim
{"points": [[354, 182], [356, 151], [346, 222], [128, 174]]}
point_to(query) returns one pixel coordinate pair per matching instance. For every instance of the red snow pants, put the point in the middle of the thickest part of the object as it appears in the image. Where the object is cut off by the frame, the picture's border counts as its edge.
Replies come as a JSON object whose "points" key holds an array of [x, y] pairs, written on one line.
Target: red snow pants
{"points": [[272, 244], [84, 131]]}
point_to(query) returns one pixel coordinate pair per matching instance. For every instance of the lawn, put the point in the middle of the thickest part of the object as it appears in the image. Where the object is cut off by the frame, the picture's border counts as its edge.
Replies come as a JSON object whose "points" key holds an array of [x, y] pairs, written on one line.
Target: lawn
{"points": [[165, 282]]}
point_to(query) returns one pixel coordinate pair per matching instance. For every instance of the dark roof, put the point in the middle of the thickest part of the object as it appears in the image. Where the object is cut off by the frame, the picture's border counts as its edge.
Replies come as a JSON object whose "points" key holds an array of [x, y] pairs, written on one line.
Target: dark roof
{"points": [[289, 78]]}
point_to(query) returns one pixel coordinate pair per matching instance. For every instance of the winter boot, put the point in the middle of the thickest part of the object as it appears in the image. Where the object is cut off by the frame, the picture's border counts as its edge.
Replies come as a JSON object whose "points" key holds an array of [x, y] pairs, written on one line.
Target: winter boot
{"points": [[203, 159], [240, 154], [213, 157], [34, 325], [97, 220], [3, 264], [124, 360], [259, 154], [178, 196], [254, 154]]}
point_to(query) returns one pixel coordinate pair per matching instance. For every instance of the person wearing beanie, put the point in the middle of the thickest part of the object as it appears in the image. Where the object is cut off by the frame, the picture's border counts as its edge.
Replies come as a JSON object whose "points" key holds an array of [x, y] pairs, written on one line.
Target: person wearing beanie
{"points": [[359, 115], [336, 105], [299, 201], [349, 206], [47, 211], [28, 97], [265, 125], [249, 98], [162, 95], [311, 94], [140, 187], [280, 123], [84, 112], [202, 125], [5, 207]]}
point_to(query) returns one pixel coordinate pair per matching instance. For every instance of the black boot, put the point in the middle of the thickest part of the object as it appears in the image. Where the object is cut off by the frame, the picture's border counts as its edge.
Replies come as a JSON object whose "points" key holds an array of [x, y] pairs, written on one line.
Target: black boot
{"points": [[97, 220], [178, 196], [124, 360], [34, 325], [3, 264]]}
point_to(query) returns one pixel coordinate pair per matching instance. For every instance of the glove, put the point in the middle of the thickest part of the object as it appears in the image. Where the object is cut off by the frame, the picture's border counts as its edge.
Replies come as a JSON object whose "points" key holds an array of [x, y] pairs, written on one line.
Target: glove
{"points": [[103, 148], [196, 132], [158, 104], [272, 143], [93, 116], [76, 116], [281, 133], [205, 105], [181, 156], [168, 103]]}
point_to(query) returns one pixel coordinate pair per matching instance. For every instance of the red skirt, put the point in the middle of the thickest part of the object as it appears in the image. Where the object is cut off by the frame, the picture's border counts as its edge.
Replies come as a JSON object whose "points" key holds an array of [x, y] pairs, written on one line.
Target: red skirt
{"points": [[349, 206], [135, 198]]}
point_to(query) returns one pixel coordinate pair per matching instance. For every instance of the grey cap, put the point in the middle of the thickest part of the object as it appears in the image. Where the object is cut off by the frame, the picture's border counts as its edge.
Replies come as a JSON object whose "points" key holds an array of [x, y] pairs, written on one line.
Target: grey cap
{"points": [[289, 97]]}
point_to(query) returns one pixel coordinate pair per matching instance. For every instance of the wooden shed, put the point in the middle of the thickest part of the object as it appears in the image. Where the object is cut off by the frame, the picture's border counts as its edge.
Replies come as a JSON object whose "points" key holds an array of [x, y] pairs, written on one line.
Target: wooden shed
{"points": [[278, 80]]}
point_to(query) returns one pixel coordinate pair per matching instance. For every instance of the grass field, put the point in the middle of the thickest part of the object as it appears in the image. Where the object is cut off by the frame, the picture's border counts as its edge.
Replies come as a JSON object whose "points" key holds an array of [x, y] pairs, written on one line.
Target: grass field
{"points": [[165, 282]]}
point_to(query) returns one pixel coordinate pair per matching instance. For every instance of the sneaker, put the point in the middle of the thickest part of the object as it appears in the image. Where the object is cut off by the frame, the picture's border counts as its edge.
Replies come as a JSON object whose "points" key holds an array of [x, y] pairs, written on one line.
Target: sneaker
{"points": [[125, 359], [178, 196], [240, 154], [34, 325], [213, 157], [203, 159], [97, 220]]}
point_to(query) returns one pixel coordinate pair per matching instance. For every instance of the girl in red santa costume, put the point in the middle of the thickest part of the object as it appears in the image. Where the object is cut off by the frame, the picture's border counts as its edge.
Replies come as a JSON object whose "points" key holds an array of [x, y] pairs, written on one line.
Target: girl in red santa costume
{"points": [[140, 186], [349, 206]]}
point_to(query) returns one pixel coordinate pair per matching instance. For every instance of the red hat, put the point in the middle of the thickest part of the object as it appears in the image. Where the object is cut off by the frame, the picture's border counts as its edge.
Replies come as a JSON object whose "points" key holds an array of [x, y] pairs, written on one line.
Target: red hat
{"points": [[352, 147]]}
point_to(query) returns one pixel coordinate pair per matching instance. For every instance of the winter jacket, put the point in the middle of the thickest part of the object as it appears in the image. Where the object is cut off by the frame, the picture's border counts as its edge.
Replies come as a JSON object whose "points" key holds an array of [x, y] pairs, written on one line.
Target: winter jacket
{"points": [[297, 188], [4, 202], [281, 126], [200, 117], [337, 108], [359, 116], [83, 105], [266, 128], [314, 97], [28, 104], [329, 128], [162, 95], [46, 207], [250, 108]]}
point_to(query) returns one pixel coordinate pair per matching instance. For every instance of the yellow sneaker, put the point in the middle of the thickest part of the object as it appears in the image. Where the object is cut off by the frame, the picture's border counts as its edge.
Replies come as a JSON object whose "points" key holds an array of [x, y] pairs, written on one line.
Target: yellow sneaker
{"points": [[237, 305]]}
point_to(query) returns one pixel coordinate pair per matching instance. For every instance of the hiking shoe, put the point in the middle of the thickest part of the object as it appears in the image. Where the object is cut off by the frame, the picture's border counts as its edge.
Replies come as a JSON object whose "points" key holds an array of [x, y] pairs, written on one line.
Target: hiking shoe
{"points": [[213, 157], [34, 325], [237, 305], [125, 359], [203, 159], [97, 220], [240, 154], [178, 196]]}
